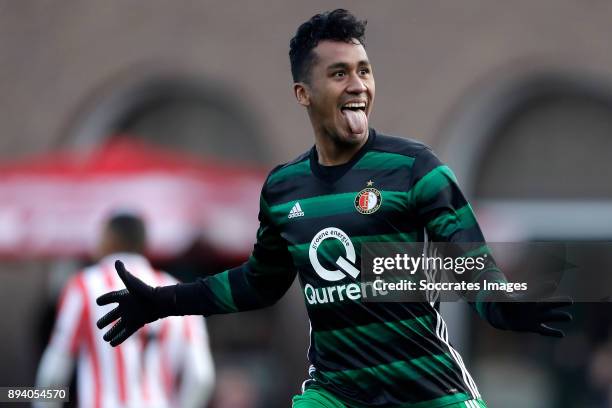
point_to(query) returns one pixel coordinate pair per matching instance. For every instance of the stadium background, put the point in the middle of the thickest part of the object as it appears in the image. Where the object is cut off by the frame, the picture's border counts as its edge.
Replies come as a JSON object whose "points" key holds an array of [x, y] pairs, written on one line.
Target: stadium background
{"points": [[517, 97]]}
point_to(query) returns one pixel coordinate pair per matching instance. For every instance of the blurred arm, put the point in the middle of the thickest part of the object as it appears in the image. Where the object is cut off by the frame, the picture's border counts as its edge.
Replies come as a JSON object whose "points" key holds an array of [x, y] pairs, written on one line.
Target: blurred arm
{"points": [[58, 360], [198, 369]]}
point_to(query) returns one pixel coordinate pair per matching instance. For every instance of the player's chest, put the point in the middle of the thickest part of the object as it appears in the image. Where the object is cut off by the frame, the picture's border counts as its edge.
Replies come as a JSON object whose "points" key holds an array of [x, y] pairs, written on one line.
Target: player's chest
{"points": [[361, 209]]}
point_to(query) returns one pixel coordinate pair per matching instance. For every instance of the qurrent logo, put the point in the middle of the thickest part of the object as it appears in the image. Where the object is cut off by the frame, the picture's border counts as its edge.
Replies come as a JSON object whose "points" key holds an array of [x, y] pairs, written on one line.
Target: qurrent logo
{"points": [[346, 267]]}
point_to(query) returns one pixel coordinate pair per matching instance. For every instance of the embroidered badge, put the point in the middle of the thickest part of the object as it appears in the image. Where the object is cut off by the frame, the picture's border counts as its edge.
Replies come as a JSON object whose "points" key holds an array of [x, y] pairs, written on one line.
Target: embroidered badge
{"points": [[368, 200]]}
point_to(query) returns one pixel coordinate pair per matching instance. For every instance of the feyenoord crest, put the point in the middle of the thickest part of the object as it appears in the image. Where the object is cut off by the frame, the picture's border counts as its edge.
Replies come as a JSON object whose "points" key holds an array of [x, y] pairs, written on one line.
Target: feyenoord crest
{"points": [[368, 200]]}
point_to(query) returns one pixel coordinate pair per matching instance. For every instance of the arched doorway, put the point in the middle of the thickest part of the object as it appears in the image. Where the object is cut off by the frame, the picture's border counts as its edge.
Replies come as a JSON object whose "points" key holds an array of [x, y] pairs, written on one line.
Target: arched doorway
{"points": [[171, 109]]}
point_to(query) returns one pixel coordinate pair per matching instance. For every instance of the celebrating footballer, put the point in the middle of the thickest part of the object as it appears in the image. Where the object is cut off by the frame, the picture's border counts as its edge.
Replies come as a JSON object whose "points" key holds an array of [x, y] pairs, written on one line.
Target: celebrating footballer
{"points": [[355, 185]]}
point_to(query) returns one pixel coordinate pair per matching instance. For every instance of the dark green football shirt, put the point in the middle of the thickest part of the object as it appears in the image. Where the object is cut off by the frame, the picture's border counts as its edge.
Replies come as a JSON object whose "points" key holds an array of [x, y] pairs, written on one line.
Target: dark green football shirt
{"points": [[367, 353]]}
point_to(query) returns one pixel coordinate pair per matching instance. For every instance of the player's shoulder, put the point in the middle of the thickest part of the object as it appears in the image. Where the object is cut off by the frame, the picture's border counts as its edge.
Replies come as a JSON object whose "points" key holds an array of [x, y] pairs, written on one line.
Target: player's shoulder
{"points": [[86, 274], [292, 168], [92, 269], [399, 145], [79, 283]]}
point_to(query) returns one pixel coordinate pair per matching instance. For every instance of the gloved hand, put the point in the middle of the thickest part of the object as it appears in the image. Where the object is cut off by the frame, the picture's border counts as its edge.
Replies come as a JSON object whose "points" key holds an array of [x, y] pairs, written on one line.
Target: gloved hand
{"points": [[518, 314], [139, 304]]}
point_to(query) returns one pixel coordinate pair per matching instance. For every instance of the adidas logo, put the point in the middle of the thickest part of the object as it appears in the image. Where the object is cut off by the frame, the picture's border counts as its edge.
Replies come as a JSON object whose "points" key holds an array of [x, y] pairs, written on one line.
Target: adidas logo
{"points": [[296, 211]]}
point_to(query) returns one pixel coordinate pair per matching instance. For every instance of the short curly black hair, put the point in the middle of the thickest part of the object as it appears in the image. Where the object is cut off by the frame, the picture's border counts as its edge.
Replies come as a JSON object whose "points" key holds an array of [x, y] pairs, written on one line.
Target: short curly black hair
{"points": [[128, 231], [337, 25]]}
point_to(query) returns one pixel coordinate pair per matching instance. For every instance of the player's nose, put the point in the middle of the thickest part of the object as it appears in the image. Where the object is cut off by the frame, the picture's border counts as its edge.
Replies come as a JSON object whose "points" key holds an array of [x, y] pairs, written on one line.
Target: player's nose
{"points": [[356, 85]]}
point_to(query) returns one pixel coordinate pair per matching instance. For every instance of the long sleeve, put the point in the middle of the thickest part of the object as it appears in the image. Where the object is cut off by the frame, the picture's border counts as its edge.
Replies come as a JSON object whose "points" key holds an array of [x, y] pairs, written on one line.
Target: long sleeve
{"points": [[449, 218], [259, 282]]}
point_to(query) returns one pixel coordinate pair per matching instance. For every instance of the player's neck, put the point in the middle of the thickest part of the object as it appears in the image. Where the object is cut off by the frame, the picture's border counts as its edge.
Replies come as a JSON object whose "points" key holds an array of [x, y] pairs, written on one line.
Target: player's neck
{"points": [[331, 153]]}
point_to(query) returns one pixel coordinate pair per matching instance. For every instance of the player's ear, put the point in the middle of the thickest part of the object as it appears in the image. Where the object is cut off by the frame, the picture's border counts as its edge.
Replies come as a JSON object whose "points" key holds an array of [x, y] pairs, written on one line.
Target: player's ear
{"points": [[302, 95]]}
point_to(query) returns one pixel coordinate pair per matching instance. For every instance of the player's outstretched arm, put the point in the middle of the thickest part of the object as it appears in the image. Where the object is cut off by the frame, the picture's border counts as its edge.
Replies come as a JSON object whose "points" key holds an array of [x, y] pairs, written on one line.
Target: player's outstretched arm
{"points": [[522, 314], [449, 218], [138, 304], [259, 282]]}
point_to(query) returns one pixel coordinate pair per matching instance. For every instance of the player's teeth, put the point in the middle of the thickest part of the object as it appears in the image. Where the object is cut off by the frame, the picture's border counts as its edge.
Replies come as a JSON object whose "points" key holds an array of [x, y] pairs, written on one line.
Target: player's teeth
{"points": [[355, 105]]}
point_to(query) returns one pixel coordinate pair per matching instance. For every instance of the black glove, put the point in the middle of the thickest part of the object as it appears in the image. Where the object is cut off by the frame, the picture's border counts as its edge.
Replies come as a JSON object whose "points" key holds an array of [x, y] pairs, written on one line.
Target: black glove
{"points": [[139, 304], [530, 316]]}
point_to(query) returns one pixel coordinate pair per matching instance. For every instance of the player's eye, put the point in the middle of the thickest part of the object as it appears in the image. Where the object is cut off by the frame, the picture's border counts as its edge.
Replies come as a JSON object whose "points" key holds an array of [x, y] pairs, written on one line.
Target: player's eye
{"points": [[338, 74], [364, 71]]}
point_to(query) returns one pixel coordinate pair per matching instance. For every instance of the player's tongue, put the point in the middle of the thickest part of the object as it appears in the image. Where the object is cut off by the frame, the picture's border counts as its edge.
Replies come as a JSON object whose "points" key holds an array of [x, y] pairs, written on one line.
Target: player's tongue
{"points": [[356, 119]]}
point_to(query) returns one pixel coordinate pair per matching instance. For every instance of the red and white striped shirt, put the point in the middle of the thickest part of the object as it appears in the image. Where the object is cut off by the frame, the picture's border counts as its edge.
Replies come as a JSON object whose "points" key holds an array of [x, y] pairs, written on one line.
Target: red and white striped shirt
{"points": [[144, 371]]}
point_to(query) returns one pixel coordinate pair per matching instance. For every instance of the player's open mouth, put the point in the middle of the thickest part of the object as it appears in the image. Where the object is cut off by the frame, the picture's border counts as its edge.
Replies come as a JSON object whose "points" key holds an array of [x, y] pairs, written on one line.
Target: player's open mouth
{"points": [[355, 115]]}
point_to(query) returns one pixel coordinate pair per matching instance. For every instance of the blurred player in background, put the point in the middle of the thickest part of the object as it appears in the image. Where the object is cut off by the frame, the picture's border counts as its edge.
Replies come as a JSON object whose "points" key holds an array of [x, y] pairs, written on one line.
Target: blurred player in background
{"points": [[355, 185], [167, 365]]}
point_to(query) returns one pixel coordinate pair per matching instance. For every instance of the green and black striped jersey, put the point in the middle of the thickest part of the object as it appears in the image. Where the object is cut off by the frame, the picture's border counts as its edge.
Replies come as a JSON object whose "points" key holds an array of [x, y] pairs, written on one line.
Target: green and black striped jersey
{"points": [[313, 222]]}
